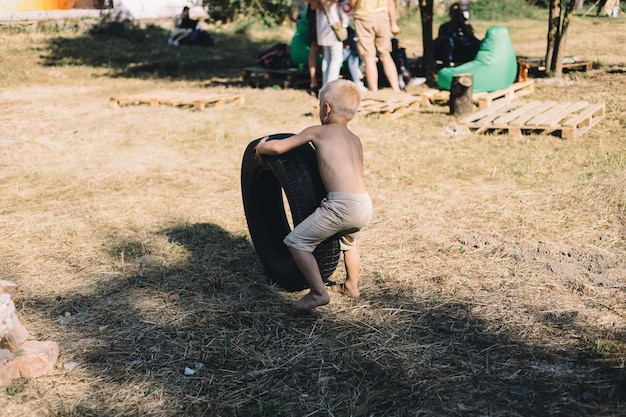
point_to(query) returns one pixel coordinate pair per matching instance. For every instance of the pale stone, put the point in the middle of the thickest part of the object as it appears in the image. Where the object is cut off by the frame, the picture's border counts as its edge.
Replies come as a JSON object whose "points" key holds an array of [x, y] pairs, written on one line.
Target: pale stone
{"points": [[10, 288], [5, 356], [33, 359], [12, 333]]}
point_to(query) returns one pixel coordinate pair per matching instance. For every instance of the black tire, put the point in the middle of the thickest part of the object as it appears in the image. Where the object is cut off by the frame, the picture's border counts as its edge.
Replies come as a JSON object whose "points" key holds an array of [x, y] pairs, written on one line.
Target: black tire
{"points": [[297, 174]]}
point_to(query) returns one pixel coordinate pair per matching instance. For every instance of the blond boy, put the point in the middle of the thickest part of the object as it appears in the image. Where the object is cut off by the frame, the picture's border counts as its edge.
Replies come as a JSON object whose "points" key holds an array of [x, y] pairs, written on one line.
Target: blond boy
{"points": [[347, 207]]}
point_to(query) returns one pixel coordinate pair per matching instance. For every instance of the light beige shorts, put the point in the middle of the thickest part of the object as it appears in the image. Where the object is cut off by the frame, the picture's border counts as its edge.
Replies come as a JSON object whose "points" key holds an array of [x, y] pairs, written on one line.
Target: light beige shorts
{"points": [[374, 34], [343, 214]]}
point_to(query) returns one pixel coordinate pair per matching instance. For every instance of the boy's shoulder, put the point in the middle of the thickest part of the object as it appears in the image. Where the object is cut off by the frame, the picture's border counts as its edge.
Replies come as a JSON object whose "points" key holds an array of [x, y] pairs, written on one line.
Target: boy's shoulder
{"points": [[336, 133], [336, 128]]}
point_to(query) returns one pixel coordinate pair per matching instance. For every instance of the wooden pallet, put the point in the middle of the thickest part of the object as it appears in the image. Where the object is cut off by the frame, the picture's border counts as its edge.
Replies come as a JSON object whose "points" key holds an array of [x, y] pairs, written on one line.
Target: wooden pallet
{"points": [[387, 104], [569, 119], [482, 100], [537, 65], [263, 77], [179, 99]]}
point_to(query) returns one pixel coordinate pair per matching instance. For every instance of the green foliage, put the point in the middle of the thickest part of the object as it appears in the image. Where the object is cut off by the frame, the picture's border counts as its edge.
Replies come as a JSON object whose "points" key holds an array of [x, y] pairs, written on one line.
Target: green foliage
{"points": [[59, 26], [271, 12], [505, 10], [16, 387], [600, 348], [12, 29]]}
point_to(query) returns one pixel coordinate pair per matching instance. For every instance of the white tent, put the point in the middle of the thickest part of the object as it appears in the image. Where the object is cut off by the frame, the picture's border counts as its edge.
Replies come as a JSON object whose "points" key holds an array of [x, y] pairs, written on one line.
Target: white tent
{"points": [[151, 9], [14, 10]]}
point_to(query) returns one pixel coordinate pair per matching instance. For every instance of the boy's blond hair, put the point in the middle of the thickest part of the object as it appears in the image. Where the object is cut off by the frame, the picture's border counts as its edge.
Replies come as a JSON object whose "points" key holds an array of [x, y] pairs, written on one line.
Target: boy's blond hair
{"points": [[343, 96]]}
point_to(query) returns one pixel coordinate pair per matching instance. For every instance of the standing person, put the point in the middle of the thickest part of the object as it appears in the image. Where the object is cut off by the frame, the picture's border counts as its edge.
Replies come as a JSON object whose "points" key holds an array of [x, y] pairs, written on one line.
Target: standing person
{"points": [[373, 21], [314, 51], [347, 207], [353, 60], [332, 47]]}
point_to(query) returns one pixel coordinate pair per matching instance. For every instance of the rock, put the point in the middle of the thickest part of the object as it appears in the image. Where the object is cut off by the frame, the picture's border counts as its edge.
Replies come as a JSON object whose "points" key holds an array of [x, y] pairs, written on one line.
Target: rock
{"points": [[5, 356], [31, 360], [11, 288], [12, 333]]}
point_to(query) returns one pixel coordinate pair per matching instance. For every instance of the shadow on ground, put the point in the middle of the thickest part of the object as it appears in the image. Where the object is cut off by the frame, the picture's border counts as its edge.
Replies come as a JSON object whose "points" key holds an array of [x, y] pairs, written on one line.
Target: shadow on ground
{"points": [[144, 53], [247, 352]]}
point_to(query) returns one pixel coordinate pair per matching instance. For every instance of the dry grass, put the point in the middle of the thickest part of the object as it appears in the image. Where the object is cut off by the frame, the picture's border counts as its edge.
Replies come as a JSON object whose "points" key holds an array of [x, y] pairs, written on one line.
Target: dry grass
{"points": [[493, 272]]}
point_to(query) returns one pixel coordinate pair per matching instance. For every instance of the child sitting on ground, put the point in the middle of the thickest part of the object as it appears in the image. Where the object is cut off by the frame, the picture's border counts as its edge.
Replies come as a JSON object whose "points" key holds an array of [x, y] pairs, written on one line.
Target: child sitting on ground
{"points": [[347, 207]]}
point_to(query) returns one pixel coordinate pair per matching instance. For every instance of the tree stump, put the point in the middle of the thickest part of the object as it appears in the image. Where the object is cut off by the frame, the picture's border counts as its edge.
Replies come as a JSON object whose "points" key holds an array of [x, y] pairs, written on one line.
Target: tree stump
{"points": [[461, 100]]}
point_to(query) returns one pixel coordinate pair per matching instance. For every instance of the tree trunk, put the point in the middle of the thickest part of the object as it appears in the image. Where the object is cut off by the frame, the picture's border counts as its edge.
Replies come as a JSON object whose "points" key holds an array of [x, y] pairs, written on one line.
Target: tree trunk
{"points": [[428, 58], [553, 25], [556, 65], [560, 11], [560, 45], [461, 102]]}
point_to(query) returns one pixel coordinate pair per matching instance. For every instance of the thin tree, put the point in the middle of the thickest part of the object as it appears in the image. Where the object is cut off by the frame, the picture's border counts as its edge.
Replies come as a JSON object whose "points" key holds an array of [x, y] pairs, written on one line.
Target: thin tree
{"points": [[428, 58], [558, 24]]}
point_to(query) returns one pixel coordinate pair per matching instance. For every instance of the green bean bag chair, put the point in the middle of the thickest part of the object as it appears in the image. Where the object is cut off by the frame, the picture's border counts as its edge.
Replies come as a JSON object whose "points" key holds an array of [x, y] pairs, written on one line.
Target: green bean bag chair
{"points": [[494, 68], [299, 46]]}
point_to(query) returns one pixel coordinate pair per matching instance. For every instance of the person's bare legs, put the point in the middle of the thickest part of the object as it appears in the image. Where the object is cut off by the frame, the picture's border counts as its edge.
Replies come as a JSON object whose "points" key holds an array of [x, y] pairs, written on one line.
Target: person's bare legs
{"points": [[352, 261], [391, 72], [313, 60], [318, 295], [371, 73]]}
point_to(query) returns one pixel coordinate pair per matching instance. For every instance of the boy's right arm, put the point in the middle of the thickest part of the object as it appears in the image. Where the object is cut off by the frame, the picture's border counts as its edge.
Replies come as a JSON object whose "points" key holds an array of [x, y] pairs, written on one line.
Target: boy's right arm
{"points": [[277, 147]]}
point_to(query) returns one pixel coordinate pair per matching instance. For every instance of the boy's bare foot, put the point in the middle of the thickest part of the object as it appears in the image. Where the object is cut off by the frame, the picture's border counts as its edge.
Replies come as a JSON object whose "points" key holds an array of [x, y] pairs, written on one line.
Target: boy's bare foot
{"points": [[311, 300], [345, 289]]}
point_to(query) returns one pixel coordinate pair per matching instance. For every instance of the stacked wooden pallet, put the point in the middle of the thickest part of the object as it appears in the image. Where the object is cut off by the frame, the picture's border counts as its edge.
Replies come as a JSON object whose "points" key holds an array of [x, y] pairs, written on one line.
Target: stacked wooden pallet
{"points": [[387, 104], [537, 65], [262, 77], [482, 100], [567, 119], [194, 100]]}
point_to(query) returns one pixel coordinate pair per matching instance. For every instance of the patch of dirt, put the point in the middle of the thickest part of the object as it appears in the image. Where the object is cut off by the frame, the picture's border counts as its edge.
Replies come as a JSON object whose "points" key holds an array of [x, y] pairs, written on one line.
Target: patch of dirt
{"points": [[603, 269], [574, 285]]}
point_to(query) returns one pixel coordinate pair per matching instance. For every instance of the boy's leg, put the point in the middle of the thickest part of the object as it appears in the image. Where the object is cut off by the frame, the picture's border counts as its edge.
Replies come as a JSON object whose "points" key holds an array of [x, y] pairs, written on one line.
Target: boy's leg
{"points": [[307, 264], [352, 262]]}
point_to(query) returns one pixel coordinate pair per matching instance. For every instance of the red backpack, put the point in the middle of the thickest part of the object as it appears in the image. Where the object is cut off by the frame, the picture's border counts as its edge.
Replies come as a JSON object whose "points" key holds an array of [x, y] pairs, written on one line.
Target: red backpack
{"points": [[275, 57]]}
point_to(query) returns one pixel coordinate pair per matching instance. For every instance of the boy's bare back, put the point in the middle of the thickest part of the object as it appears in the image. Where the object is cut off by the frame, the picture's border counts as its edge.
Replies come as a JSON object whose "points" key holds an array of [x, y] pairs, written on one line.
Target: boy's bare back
{"points": [[339, 156], [339, 151]]}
